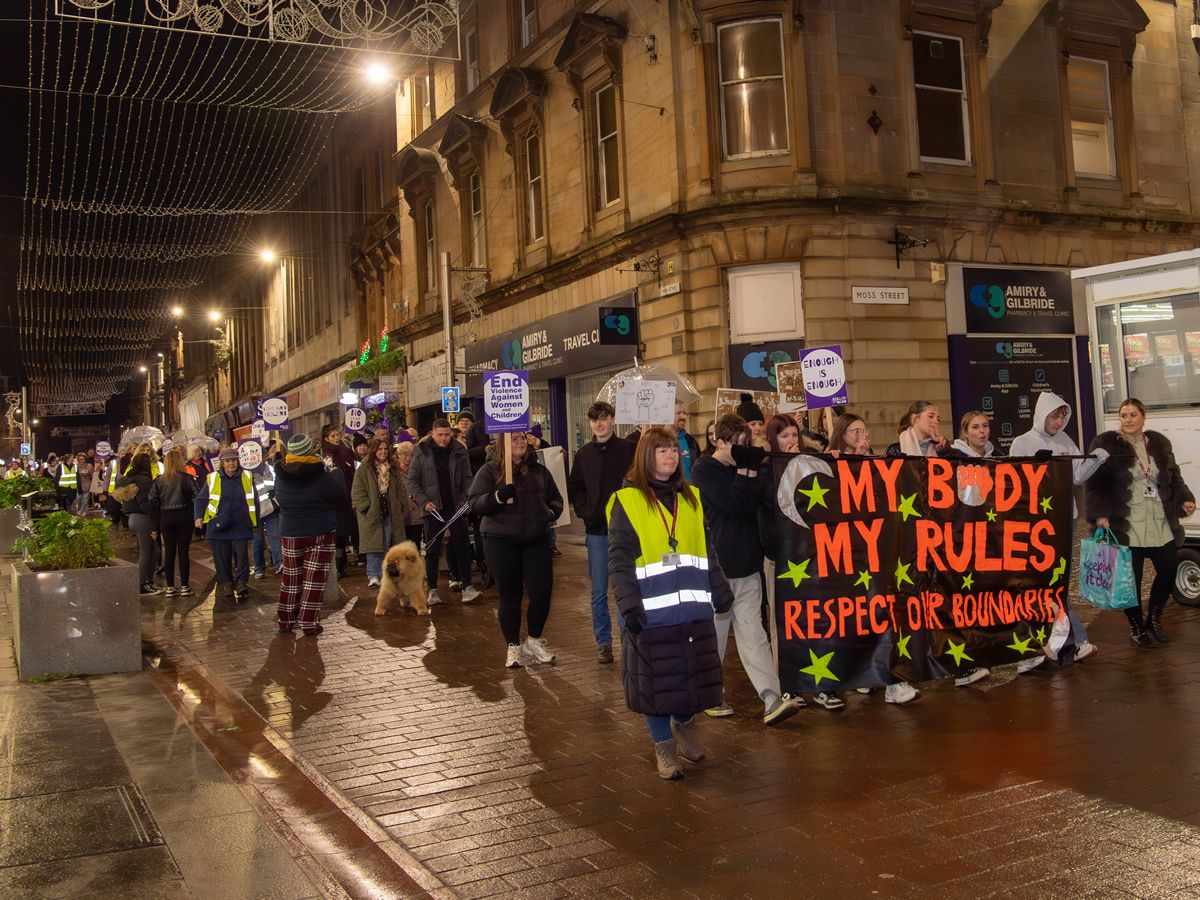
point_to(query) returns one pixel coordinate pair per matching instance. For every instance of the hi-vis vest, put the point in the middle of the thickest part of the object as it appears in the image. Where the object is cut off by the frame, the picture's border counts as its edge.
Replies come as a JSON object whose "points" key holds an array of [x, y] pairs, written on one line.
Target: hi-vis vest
{"points": [[67, 477], [671, 595], [214, 496], [266, 484], [155, 471]]}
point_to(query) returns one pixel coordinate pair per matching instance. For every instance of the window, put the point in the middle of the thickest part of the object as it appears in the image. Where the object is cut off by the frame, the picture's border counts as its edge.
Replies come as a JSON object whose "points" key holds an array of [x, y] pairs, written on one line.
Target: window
{"points": [[753, 94], [608, 167], [942, 114], [431, 281], [765, 303], [1150, 349], [1091, 118], [471, 58], [533, 188], [528, 21], [475, 222]]}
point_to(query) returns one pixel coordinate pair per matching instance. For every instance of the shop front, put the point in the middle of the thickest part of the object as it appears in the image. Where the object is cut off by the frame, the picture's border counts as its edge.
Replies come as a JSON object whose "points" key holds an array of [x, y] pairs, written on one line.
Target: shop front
{"points": [[567, 365], [424, 381]]}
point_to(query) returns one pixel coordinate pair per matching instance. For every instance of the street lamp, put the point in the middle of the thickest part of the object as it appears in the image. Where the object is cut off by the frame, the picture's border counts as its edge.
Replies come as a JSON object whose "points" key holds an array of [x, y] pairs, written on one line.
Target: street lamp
{"points": [[378, 73], [267, 255], [214, 315], [143, 369], [177, 311]]}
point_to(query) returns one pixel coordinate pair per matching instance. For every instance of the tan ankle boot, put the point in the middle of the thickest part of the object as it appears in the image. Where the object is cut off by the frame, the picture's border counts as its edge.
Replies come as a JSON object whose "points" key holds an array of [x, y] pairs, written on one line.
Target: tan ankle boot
{"points": [[668, 760], [686, 742]]}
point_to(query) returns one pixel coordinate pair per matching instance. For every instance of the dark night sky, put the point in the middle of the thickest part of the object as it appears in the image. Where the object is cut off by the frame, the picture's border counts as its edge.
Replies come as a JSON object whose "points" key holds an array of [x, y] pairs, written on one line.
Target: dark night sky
{"points": [[13, 114]]}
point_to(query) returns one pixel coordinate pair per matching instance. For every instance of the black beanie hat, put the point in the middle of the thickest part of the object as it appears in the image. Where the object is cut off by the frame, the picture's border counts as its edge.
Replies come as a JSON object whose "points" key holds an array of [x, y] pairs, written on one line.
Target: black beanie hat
{"points": [[749, 410], [359, 440]]}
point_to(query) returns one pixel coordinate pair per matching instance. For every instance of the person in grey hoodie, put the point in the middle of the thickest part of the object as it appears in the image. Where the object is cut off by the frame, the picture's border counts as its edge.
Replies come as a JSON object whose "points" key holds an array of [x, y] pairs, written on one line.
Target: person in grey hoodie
{"points": [[1049, 437]]}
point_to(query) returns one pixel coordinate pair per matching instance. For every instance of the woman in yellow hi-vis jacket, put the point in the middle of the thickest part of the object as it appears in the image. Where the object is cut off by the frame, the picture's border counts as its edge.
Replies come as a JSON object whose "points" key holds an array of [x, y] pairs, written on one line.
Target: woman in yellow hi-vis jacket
{"points": [[667, 583]]}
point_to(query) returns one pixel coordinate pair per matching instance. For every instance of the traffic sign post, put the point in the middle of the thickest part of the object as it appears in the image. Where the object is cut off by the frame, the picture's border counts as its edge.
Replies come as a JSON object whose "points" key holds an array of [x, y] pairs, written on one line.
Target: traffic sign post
{"points": [[451, 399]]}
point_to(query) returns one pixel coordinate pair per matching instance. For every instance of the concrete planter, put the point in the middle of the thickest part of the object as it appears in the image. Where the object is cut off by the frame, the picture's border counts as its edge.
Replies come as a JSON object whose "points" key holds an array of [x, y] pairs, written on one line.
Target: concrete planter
{"points": [[9, 520], [76, 621]]}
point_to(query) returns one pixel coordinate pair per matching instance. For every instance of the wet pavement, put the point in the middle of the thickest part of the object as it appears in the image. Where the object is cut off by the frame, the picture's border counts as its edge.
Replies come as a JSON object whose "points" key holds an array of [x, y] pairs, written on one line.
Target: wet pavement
{"points": [[465, 778]]}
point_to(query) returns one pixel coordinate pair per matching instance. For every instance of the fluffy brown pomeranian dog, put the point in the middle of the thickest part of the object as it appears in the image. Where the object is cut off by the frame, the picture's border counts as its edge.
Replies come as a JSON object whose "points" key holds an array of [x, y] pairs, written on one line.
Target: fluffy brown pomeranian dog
{"points": [[403, 580]]}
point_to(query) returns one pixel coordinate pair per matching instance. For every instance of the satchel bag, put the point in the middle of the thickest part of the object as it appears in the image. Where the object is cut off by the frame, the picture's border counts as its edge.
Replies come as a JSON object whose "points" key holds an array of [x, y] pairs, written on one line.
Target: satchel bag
{"points": [[125, 493], [1106, 572]]}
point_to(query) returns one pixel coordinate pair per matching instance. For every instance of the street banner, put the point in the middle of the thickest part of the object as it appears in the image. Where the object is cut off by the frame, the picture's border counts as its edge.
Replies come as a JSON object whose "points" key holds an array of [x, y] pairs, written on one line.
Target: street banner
{"points": [[642, 402], [506, 401], [915, 569]]}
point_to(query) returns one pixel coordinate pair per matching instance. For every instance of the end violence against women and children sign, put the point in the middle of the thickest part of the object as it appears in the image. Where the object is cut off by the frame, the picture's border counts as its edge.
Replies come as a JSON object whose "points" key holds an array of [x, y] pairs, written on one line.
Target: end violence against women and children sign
{"points": [[914, 569]]}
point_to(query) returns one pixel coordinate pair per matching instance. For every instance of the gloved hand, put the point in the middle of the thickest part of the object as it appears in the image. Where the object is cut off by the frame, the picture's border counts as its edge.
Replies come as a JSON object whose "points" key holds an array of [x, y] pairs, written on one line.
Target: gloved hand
{"points": [[506, 492], [634, 620], [1044, 454], [746, 456]]}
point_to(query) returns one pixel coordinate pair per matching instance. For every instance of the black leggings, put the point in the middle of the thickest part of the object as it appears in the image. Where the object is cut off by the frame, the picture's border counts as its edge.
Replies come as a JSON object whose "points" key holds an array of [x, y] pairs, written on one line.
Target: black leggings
{"points": [[176, 529], [1164, 576], [520, 567]]}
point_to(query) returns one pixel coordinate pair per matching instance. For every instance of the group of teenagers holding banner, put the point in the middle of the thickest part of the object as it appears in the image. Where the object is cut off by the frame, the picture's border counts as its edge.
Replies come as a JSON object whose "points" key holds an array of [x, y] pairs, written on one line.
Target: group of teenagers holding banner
{"points": [[689, 540]]}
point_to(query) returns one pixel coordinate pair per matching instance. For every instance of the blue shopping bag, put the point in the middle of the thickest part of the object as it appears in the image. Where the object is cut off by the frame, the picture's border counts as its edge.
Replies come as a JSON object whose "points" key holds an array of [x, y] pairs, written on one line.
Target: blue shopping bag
{"points": [[1106, 572]]}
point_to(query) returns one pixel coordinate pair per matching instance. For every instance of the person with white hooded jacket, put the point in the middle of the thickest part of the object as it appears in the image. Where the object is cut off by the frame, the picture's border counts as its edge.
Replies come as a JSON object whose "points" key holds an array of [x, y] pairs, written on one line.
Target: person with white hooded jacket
{"points": [[1049, 437]]}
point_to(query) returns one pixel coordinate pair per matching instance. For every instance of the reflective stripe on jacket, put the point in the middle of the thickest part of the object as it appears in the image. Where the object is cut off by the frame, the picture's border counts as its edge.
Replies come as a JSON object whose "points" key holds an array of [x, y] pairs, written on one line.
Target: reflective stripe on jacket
{"points": [[67, 477], [214, 496], [671, 594]]}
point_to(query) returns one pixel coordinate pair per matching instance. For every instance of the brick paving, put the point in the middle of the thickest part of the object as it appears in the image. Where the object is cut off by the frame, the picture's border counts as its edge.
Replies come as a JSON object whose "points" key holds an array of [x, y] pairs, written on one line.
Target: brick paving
{"points": [[539, 782]]}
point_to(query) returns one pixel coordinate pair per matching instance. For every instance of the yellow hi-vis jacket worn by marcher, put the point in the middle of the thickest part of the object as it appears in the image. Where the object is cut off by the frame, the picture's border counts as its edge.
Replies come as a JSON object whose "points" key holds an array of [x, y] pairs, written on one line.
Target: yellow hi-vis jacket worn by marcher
{"points": [[155, 471], [214, 496], [671, 593], [67, 477]]}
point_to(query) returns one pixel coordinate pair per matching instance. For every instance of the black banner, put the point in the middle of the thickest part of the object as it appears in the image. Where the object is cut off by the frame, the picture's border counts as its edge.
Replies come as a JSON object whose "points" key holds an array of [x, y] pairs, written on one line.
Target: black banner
{"points": [[915, 569]]}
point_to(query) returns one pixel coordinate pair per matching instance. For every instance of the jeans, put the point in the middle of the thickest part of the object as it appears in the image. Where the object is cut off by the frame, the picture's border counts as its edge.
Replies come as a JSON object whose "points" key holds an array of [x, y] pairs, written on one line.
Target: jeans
{"points": [[597, 553], [140, 525], [231, 561], [375, 560], [746, 619], [521, 568], [176, 527], [1164, 576], [82, 502], [458, 551], [270, 525], [660, 726]]}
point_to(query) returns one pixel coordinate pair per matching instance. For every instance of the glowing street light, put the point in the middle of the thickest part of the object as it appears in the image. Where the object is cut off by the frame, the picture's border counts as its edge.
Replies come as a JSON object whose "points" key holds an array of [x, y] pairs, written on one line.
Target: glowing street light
{"points": [[143, 369], [267, 255], [160, 356], [214, 315], [378, 73], [177, 311]]}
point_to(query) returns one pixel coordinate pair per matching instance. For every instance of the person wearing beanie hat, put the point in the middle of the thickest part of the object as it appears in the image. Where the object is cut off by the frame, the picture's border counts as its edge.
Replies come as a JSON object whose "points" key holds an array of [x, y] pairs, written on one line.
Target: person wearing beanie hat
{"points": [[308, 497], [360, 446], [752, 413], [227, 509]]}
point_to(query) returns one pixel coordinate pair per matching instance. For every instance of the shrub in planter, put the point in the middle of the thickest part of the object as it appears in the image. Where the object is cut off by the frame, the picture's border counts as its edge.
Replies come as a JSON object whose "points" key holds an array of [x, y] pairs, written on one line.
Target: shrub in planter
{"points": [[63, 541], [12, 489]]}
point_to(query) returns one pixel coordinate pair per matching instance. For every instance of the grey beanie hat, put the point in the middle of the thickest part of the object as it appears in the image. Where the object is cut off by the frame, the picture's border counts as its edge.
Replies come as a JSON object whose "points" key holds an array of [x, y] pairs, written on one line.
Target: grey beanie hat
{"points": [[300, 445]]}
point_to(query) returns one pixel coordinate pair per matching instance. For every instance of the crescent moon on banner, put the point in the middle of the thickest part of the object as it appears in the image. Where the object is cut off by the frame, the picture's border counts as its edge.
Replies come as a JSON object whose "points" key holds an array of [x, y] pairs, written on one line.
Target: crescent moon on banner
{"points": [[801, 466]]}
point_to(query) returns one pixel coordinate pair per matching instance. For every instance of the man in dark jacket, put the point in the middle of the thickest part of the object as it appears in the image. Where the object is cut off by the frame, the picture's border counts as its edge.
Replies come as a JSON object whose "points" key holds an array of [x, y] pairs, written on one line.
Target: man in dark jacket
{"points": [[342, 459], [227, 508], [309, 497], [596, 474], [439, 481], [477, 441], [728, 484]]}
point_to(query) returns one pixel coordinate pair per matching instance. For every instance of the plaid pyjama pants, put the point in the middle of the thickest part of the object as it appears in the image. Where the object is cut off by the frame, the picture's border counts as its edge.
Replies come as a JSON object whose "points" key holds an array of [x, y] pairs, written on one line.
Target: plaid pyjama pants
{"points": [[306, 562]]}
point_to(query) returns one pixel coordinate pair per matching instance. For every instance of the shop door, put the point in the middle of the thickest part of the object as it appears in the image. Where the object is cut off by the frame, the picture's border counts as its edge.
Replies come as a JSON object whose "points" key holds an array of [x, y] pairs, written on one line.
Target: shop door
{"points": [[539, 410]]}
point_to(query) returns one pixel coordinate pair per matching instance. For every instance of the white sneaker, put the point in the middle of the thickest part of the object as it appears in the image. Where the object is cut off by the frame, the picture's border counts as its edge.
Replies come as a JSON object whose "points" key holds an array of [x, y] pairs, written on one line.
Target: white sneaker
{"points": [[972, 676], [1084, 650], [434, 599], [1028, 665], [830, 700], [901, 693], [514, 656], [372, 581], [470, 594], [456, 586], [536, 648], [864, 690]]}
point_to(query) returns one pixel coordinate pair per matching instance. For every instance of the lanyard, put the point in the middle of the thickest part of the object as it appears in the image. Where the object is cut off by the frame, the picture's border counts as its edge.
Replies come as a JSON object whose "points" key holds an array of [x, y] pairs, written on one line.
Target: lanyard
{"points": [[658, 504], [1145, 468]]}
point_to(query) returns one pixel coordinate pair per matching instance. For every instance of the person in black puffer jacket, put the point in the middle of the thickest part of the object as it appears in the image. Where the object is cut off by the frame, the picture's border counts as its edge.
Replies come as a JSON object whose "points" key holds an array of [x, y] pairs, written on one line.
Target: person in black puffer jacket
{"points": [[170, 503], [516, 543], [136, 508], [667, 581]]}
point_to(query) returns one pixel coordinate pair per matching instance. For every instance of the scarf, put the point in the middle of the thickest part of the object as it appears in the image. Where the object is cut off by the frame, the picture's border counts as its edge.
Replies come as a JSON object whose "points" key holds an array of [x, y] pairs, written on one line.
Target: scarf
{"points": [[301, 459], [383, 473], [911, 445]]}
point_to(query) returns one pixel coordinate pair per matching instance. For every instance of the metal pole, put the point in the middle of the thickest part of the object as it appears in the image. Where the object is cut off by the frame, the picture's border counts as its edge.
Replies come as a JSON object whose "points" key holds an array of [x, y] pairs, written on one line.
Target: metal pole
{"points": [[447, 319], [25, 415]]}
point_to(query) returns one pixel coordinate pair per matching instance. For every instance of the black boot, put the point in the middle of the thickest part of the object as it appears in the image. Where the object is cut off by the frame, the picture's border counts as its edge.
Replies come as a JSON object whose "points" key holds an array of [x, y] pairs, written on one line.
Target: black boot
{"points": [[1139, 638], [1154, 626]]}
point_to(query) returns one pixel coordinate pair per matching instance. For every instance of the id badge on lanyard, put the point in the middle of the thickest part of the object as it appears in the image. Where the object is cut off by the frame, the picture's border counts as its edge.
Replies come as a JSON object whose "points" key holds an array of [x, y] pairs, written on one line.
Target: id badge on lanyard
{"points": [[672, 558], [1149, 488]]}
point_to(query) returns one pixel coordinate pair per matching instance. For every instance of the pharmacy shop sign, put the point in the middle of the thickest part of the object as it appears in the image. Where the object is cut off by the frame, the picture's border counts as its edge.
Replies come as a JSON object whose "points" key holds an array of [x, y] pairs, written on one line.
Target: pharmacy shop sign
{"points": [[1018, 301]]}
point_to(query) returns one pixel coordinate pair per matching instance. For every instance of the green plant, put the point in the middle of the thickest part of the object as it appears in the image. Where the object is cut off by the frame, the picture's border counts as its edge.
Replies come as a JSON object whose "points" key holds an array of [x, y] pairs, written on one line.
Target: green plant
{"points": [[396, 415], [63, 541], [11, 489], [380, 365]]}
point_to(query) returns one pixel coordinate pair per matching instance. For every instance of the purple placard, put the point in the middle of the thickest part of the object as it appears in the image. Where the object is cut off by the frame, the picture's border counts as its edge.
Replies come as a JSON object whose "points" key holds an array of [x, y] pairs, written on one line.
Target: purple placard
{"points": [[824, 375], [506, 401]]}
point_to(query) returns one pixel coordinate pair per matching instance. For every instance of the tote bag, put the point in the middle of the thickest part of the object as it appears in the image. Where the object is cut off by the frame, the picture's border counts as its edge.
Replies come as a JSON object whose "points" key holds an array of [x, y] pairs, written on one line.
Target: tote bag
{"points": [[1106, 572]]}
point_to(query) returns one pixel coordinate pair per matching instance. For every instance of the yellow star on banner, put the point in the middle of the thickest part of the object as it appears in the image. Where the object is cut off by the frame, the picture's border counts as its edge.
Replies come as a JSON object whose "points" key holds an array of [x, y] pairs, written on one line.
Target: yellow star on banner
{"points": [[906, 507], [991, 515], [902, 573], [959, 652], [815, 494], [864, 579], [819, 668], [1060, 569], [796, 572], [1041, 635], [968, 582], [902, 646], [1046, 505], [1021, 646]]}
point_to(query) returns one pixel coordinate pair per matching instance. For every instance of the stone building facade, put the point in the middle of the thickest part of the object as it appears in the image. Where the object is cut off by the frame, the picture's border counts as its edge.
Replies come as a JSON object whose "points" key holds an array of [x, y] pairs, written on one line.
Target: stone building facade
{"points": [[738, 168]]}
